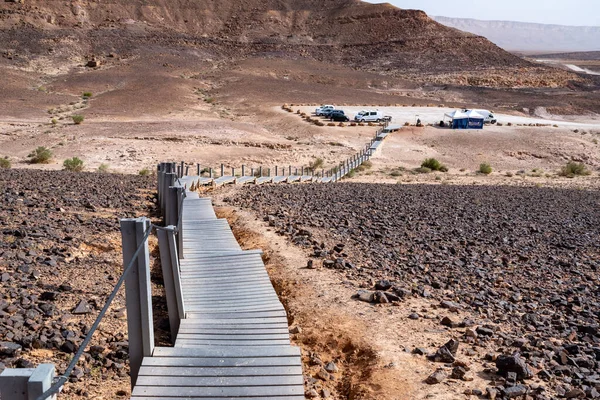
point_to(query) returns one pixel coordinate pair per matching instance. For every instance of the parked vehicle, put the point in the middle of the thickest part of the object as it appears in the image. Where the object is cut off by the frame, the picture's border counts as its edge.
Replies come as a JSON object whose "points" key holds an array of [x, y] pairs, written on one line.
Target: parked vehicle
{"points": [[487, 115], [321, 110], [338, 116], [327, 113], [371, 116]]}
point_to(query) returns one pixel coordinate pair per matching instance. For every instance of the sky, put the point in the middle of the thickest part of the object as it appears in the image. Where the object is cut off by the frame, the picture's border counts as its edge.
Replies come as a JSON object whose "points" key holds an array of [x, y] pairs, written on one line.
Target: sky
{"points": [[561, 12]]}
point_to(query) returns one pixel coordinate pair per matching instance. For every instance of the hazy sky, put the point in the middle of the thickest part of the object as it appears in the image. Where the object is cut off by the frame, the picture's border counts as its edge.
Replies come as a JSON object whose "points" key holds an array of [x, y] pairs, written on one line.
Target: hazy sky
{"points": [[562, 12]]}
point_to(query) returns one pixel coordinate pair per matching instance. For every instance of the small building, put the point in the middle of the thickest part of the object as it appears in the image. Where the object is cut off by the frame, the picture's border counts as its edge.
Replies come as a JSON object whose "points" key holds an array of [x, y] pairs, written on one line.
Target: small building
{"points": [[465, 119]]}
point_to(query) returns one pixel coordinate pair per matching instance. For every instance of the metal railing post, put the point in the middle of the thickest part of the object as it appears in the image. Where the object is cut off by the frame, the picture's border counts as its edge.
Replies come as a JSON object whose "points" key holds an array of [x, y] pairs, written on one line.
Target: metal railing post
{"points": [[138, 294], [172, 280]]}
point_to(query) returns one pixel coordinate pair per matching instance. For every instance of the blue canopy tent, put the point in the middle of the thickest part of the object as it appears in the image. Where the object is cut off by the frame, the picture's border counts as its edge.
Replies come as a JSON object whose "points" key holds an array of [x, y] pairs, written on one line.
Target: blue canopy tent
{"points": [[465, 120]]}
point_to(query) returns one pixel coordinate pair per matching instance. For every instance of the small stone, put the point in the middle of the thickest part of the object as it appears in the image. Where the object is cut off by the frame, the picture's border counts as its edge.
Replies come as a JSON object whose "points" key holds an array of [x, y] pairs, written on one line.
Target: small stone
{"points": [[325, 393], [438, 376], [452, 345], [471, 333], [322, 374], [9, 349], [450, 305], [82, 308], [515, 391], [458, 373], [23, 363], [447, 321], [414, 316], [312, 394], [443, 355], [383, 285], [575, 394], [49, 296], [310, 264], [331, 367], [295, 330], [77, 373], [420, 351], [364, 295], [514, 363], [491, 393]]}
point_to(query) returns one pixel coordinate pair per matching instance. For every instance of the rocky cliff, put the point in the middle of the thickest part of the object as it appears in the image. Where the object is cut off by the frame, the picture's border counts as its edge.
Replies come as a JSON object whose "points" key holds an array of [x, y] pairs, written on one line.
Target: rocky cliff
{"points": [[377, 37]]}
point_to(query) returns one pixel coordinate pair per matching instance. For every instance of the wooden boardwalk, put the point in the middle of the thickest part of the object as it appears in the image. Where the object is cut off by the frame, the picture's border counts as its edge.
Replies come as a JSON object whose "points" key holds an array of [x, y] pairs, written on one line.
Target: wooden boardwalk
{"points": [[233, 342]]}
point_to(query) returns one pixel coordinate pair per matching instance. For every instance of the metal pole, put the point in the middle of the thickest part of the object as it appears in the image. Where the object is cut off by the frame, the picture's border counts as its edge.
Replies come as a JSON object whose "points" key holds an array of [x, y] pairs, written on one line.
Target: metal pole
{"points": [[138, 294]]}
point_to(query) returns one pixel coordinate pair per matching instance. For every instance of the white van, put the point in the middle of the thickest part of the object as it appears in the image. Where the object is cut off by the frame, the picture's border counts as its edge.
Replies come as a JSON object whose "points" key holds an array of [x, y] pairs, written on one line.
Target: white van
{"points": [[371, 116], [488, 116]]}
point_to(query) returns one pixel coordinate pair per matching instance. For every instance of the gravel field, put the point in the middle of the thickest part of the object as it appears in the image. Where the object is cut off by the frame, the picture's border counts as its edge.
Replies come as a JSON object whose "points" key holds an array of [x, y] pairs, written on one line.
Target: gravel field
{"points": [[60, 257], [524, 262]]}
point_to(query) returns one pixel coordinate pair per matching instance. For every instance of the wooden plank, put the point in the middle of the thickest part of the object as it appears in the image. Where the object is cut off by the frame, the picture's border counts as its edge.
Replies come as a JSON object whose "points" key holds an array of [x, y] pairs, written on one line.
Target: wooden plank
{"points": [[233, 337], [199, 271], [232, 308], [237, 256], [198, 306], [220, 362], [217, 370], [216, 331], [228, 269], [198, 291], [250, 300], [242, 322], [231, 351], [295, 397], [218, 391], [220, 381], [235, 315], [216, 342], [192, 293]]}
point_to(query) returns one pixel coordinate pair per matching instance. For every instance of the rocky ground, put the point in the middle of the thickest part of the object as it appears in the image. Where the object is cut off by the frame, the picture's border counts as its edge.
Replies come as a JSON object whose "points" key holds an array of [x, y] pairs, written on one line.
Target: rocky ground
{"points": [[518, 265], [60, 256]]}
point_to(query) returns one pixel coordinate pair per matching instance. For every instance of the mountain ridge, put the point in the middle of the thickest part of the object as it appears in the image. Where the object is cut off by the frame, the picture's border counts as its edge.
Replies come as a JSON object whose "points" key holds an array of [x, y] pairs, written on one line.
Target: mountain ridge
{"points": [[529, 36]]}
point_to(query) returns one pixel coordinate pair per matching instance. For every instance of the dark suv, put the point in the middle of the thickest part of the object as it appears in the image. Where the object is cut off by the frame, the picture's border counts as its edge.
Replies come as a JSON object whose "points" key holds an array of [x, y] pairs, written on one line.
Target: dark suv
{"points": [[338, 116]]}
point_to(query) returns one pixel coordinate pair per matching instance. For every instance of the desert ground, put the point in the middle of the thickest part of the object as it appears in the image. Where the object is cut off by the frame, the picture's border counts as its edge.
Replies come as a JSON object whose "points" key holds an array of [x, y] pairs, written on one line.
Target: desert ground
{"points": [[59, 230]]}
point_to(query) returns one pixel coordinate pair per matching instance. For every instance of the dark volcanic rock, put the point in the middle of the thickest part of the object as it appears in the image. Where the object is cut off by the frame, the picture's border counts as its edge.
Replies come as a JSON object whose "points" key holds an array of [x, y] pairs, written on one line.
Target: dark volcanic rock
{"points": [[513, 363], [524, 258], [55, 251]]}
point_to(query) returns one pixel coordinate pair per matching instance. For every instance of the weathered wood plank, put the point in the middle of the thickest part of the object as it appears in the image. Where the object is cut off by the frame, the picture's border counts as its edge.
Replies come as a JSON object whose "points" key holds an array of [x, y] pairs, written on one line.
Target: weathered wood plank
{"points": [[218, 391], [220, 362], [231, 351], [295, 397], [249, 370], [233, 336], [223, 382]]}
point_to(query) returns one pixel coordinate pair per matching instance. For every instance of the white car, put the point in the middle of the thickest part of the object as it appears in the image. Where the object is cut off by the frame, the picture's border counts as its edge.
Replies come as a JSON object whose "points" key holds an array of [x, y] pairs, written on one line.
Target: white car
{"points": [[371, 116], [321, 110]]}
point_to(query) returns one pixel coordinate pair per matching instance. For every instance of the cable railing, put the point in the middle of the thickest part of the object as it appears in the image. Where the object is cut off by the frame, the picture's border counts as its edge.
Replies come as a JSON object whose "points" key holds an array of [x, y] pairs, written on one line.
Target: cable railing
{"points": [[60, 381]]}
